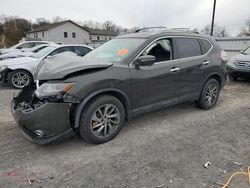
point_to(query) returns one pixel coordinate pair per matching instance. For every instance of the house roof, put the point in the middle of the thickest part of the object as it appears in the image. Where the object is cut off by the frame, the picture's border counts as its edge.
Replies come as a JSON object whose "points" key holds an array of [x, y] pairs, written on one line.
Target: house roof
{"points": [[50, 26], [100, 31], [90, 30]]}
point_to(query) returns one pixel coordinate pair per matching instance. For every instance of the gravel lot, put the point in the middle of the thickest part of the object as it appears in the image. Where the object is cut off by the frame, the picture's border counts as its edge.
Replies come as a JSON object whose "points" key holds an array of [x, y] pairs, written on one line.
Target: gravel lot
{"points": [[166, 148]]}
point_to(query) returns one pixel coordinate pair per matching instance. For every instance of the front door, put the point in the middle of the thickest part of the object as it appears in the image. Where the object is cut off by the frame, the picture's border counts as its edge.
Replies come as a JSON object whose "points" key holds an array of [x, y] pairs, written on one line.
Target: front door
{"points": [[155, 86]]}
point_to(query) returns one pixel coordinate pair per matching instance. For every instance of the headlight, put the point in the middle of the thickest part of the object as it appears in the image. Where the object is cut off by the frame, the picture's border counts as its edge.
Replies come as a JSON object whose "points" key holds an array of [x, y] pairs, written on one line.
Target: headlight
{"points": [[3, 67], [52, 89]]}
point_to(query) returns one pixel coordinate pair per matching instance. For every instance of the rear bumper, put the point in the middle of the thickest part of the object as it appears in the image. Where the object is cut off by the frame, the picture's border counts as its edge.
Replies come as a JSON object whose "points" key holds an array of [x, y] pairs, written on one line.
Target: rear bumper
{"points": [[41, 123]]}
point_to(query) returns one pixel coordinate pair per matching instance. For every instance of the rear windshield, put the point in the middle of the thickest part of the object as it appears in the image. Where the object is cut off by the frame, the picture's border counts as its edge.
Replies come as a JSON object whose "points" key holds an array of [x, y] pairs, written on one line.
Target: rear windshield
{"points": [[115, 50]]}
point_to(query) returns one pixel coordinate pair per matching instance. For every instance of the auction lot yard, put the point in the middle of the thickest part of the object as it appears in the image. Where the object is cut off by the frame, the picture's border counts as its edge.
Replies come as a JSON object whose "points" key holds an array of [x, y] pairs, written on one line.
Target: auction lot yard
{"points": [[166, 148]]}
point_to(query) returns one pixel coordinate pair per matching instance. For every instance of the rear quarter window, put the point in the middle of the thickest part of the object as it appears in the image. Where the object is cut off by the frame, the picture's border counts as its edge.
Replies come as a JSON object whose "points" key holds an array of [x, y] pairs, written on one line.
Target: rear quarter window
{"points": [[187, 47], [206, 46], [26, 45]]}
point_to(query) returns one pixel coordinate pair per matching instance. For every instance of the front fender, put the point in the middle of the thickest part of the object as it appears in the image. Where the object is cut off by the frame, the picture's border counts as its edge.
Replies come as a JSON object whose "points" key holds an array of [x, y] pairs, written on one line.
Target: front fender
{"points": [[83, 104]]}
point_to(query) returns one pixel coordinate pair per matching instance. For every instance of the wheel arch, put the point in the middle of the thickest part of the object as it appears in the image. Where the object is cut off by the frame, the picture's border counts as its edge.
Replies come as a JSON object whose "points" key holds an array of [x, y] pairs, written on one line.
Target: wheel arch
{"points": [[120, 95], [216, 76], [22, 69]]}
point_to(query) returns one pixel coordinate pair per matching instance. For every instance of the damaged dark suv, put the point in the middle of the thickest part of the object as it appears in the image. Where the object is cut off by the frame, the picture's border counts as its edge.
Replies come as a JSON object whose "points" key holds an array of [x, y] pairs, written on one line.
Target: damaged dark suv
{"points": [[94, 95]]}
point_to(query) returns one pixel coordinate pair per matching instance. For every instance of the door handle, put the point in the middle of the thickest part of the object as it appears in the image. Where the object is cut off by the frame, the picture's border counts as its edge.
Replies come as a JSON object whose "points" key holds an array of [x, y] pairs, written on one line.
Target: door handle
{"points": [[175, 69], [205, 62]]}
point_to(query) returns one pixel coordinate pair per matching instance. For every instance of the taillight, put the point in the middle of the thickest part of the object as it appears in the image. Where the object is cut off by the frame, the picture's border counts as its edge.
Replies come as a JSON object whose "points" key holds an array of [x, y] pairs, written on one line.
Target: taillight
{"points": [[223, 55]]}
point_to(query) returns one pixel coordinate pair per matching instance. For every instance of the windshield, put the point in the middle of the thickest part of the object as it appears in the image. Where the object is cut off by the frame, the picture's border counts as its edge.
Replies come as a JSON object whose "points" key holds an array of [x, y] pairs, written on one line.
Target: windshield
{"points": [[43, 52], [115, 50], [247, 51]]}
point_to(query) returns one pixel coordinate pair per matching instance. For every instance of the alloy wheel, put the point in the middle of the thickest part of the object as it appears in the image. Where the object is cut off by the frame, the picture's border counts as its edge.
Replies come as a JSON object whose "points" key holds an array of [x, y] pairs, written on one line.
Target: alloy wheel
{"points": [[20, 79], [211, 93], [105, 120]]}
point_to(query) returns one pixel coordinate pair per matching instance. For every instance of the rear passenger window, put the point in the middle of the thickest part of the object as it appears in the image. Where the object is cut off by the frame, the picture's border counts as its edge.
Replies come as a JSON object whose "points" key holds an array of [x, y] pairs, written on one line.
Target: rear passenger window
{"points": [[206, 46], [187, 47]]}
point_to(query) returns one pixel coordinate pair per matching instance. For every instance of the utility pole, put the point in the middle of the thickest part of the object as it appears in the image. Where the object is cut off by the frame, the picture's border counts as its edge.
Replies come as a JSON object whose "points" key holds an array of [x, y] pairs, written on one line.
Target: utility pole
{"points": [[212, 25]]}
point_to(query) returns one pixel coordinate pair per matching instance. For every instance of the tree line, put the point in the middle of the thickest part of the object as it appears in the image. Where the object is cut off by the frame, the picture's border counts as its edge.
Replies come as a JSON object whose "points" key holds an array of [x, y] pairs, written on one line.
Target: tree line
{"points": [[12, 29]]}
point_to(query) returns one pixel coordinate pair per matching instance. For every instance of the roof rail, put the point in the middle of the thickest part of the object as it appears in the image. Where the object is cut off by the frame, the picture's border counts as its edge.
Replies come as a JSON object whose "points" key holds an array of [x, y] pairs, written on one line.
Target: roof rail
{"points": [[148, 28], [184, 29], [180, 28]]}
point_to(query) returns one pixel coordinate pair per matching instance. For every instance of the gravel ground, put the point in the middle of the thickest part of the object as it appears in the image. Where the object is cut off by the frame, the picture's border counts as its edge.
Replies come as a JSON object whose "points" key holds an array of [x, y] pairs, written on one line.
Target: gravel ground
{"points": [[166, 148]]}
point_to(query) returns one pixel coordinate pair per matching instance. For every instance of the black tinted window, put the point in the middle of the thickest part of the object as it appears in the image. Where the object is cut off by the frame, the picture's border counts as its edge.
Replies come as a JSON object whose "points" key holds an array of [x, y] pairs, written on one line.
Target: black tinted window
{"points": [[81, 51], [187, 47], [206, 45]]}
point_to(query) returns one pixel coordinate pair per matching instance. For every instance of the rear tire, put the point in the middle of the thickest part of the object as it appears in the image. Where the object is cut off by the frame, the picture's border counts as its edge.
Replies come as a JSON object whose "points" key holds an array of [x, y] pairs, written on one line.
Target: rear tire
{"points": [[19, 78], [102, 119], [209, 94]]}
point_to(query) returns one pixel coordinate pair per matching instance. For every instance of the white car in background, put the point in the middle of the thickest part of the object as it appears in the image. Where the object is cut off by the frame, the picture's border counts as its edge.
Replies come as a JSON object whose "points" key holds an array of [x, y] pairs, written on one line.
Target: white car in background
{"points": [[23, 45], [23, 52], [19, 72]]}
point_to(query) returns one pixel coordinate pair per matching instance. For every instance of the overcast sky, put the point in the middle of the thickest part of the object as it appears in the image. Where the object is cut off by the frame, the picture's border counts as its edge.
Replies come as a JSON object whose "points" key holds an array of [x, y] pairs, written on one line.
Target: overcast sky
{"points": [[130, 13]]}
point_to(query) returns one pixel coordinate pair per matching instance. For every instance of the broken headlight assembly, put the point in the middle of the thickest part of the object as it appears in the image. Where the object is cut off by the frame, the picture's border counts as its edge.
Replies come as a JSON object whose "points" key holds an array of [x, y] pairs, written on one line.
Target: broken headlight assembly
{"points": [[53, 89]]}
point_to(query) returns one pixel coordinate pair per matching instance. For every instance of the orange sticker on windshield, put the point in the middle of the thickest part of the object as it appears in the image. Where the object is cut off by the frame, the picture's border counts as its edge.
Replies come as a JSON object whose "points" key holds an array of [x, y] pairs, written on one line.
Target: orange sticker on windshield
{"points": [[123, 51]]}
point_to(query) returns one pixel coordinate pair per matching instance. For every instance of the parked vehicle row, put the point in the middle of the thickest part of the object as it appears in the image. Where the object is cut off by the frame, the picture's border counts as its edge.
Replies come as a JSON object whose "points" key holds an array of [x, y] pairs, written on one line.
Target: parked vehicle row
{"points": [[19, 72], [127, 76], [23, 52], [239, 65], [23, 45]]}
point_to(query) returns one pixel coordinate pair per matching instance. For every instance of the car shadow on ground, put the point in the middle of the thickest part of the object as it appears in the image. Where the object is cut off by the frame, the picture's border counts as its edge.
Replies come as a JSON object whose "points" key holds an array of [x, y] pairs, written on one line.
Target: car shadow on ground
{"points": [[137, 122]]}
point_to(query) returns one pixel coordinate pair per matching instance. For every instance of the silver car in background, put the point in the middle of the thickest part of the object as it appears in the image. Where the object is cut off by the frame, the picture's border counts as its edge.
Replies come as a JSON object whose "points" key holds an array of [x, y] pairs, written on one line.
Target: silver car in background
{"points": [[19, 72], [23, 45], [239, 65], [23, 52]]}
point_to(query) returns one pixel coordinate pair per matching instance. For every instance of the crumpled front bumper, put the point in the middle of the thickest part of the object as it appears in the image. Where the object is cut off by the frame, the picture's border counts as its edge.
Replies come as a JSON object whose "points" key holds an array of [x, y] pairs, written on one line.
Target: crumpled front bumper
{"points": [[41, 122]]}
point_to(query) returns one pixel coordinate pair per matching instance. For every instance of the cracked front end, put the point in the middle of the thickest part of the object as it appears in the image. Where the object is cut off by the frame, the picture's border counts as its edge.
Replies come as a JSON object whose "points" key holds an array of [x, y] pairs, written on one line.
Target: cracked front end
{"points": [[41, 121]]}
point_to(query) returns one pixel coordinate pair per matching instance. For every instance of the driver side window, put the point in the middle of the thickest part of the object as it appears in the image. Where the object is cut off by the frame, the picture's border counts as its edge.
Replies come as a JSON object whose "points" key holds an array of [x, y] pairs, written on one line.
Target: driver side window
{"points": [[161, 49]]}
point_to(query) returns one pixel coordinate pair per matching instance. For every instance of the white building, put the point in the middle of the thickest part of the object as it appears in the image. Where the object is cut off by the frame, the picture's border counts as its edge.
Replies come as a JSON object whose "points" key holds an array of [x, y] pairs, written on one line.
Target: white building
{"points": [[233, 45], [68, 32]]}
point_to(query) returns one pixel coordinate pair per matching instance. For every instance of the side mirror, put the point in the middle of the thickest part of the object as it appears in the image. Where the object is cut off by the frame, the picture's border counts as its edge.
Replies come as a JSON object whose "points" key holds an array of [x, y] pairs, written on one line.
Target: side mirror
{"points": [[146, 60], [241, 52]]}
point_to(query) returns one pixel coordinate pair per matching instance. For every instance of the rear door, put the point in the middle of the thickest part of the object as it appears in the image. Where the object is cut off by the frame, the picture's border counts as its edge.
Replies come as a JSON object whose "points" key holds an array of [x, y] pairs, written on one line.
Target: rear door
{"points": [[155, 86], [193, 65]]}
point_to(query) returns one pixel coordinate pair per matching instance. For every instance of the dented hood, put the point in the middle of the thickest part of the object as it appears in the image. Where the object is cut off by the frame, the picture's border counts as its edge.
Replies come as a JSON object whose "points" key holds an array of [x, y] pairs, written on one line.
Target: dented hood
{"points": [[61, 65]]}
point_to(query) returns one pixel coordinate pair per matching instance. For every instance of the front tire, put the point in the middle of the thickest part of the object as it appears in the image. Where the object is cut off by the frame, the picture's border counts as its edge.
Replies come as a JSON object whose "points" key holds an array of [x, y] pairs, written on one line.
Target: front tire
{"points": [[209, 94], [19, 78], [102, 119]]}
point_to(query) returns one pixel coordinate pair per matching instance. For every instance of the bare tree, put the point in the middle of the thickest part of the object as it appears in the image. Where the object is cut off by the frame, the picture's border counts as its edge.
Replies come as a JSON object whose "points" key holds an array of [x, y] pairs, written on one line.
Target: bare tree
{"points": [[92, 24], [219, 31], [57, 19], [245, 30]]}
